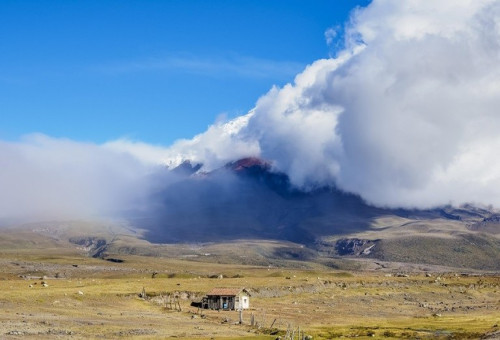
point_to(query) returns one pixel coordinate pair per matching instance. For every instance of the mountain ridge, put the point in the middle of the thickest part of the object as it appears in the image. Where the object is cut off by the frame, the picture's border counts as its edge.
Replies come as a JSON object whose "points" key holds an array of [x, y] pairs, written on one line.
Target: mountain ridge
{"points": [[248, 199], [246, 212]]}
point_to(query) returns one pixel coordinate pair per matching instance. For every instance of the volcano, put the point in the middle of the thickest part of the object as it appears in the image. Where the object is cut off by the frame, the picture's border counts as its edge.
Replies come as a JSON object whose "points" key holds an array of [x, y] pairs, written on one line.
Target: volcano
{"points": [[247, 199]]}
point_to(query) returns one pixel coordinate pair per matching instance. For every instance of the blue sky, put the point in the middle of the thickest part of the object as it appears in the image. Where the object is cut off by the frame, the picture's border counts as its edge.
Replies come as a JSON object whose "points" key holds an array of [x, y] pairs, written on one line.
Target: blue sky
{"points": [[153, 71]]}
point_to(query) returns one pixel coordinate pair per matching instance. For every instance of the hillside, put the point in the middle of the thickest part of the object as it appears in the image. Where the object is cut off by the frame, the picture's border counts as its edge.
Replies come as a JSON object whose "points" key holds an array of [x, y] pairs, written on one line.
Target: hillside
{"points": [[247, 200], [246, 213]]}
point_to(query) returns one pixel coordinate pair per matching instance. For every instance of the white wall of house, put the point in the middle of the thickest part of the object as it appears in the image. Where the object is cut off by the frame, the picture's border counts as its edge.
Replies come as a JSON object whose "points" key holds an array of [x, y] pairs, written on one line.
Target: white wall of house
{"points": [[242, 302]]}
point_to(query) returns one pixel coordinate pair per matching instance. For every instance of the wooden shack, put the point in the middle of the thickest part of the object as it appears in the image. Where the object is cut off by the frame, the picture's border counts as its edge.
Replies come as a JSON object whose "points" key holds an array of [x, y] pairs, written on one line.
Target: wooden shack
{"points": [[227, 299]]}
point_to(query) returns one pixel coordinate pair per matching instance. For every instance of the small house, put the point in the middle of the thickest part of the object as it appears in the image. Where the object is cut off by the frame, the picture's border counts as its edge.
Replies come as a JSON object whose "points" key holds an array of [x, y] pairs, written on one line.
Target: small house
{"points": [[227, 299]]}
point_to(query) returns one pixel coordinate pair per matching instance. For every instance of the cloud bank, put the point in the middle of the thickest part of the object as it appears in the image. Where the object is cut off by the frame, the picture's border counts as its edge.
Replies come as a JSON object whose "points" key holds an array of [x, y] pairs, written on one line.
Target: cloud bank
{"points": [[406, 114], [47, 178]]}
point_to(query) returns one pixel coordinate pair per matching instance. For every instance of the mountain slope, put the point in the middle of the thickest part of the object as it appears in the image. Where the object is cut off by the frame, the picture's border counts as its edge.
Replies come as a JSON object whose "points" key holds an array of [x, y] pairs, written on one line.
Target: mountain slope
{"points": [[247, 200]]}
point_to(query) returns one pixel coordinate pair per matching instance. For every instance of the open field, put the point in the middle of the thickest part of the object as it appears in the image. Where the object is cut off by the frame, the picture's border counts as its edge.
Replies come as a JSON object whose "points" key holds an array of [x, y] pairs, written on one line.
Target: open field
{"points": [[93, 298]]}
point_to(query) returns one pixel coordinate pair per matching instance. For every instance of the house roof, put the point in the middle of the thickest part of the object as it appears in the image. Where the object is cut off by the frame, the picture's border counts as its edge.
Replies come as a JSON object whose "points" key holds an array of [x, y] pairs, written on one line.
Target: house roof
{"points": [[226, 291]]}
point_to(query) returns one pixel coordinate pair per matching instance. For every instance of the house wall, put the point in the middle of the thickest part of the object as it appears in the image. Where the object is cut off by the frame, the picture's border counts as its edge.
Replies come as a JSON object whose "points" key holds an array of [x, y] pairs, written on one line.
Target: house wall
{"points": [[221, 302], [242, 301], [232, 302], [245, 302]]}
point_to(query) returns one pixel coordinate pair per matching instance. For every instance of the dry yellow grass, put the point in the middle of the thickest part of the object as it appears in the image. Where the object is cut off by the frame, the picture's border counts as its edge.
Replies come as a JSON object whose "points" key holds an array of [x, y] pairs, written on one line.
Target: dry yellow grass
{"points": [[99, 299]]}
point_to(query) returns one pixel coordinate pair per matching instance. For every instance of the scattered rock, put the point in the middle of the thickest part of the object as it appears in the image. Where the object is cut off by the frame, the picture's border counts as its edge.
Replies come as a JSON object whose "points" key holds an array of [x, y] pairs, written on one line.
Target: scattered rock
{"points": [[15, 333], [80, 292]]}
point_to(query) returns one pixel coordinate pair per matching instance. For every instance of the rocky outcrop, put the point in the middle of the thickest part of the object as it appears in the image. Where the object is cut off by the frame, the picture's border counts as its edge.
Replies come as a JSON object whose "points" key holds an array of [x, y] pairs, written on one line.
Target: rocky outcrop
{"points": [[354, 246], [93, 245]]}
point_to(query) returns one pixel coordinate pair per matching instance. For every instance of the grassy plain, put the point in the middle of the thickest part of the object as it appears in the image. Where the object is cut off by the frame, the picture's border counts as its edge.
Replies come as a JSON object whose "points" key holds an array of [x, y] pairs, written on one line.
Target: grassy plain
{"points": [[94, 298]]}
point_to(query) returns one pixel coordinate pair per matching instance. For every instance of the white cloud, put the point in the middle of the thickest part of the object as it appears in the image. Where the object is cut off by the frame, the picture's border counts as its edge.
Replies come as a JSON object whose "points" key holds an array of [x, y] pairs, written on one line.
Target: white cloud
{"points": [[48, 178], [144, 152], [330, 35], [221, 143], [417, 100], [406, 115], [44, 177]]}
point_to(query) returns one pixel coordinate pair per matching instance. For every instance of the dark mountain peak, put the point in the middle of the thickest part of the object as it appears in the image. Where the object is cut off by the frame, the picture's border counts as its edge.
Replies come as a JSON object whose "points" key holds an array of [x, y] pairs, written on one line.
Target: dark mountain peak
{"points": [[249, 163], [260, 171], [186, 168]]}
